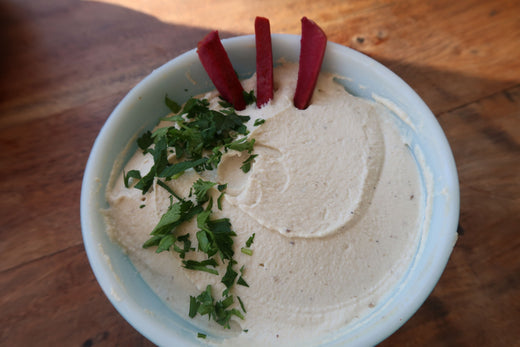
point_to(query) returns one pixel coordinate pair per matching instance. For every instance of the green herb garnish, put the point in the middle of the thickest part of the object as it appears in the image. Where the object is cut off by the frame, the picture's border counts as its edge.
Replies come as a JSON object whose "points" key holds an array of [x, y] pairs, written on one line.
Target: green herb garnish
{"points": [[219, 201], [168, 189], [241, 305], [219, 311], [201, 189], [201, 265], [172, 105], [259, 121], [186, 242], [241, 279], [230, 276], [163, 234], [197, 140], [250, 240], [250, 97], [135, 174], [145, 140], [242, 145], [246, 165]]}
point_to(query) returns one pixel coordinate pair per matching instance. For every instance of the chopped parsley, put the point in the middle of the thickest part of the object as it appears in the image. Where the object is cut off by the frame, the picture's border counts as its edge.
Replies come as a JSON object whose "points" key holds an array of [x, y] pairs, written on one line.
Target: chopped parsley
{"points": [[168, 189], [241, 145], [241, 280], [250, 240], [197, 140], [219, 311], [201, 265], [185, 239], [250, 97], [259, 121], [201, 189], [197, 137], [241, 305], [132, 174], [246, 165], [172, 105], [145, 140], [229, 278], [221, 188]]}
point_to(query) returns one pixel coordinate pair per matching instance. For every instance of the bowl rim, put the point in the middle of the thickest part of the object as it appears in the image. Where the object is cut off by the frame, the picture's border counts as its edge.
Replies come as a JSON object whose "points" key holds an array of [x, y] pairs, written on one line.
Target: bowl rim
{"points": [[92, 186]]}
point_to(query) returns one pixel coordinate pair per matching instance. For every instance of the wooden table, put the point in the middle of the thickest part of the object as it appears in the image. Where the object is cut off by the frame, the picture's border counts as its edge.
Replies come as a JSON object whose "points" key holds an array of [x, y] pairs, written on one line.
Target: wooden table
{"points": [[65, 64]]}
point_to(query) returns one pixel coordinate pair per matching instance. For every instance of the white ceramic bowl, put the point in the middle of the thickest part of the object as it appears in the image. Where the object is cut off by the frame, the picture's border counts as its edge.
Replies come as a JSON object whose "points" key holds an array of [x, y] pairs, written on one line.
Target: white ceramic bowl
{"points": [[140, 111]]}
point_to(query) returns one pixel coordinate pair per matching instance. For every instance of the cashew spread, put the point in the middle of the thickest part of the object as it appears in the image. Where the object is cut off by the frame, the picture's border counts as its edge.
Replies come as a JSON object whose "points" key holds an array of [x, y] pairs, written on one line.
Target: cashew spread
{"points": [[334, 198]]}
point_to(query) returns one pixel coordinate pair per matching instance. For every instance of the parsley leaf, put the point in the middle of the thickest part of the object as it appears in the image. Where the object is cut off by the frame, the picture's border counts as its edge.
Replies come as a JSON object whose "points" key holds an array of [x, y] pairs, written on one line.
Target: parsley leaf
{"points": [[172, 170], [201, 265], [205, 304], [179, 212], [202, 304], [242, 145], [166, 242], [241, 280], [221, 188], [135, 174], [168, 189], [146, 182], [160, 153], [241, 304], [153, 241], [229, 278], [258, 122], [246, 164], [185, 239], [172, 105], [219, 201], [250, 97], [222, 233], [163, 233], [250, 240], [145, 140], [201, 189], [215, 235]]}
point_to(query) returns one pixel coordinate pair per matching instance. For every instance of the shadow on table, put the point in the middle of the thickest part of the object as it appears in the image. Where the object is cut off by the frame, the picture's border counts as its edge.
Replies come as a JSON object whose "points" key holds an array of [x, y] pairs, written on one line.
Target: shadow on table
{"points": [[55, 52], [67, 44]]}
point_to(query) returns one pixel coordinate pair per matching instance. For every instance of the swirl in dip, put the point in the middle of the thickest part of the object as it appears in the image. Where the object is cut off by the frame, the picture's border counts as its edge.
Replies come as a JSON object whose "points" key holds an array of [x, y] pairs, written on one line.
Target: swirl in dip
{"points": [[335, 201]]}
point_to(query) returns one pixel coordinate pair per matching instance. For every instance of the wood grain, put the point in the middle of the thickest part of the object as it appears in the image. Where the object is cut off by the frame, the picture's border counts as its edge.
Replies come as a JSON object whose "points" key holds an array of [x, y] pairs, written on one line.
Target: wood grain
{"points": [[65, 64], [476, 302], [55, 301]]}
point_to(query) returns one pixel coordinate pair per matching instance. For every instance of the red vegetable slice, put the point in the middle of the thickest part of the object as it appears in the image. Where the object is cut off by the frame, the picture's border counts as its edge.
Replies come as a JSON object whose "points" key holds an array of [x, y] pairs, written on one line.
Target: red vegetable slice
{"points": [[312, 50], [264, 61], [216, 62]]}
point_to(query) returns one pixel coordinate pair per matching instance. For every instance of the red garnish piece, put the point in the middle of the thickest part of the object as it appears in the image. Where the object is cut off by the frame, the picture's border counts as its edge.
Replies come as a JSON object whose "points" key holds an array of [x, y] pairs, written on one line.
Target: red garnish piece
{"points": [[264, 61], [216, 62], [312, 50]]}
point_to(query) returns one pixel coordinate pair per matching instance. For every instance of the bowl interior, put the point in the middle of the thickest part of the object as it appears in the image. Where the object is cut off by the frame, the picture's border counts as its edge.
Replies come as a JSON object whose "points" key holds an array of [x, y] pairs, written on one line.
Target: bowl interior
{"points": [[184, 77]]}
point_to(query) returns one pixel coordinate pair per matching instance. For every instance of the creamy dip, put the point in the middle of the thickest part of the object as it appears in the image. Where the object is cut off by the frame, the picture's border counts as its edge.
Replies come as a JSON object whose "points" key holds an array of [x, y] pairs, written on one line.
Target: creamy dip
{"points": [[335, 201]]}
